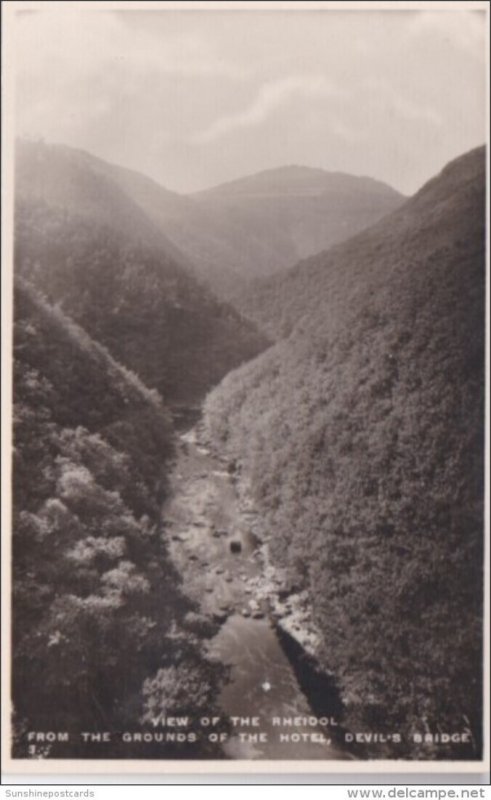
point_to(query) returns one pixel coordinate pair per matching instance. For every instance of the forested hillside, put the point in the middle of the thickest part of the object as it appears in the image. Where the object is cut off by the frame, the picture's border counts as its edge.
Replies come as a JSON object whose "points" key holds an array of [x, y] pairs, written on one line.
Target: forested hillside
{"points": [[227, 235], [362, 437], [133, 297], [98, 612]]}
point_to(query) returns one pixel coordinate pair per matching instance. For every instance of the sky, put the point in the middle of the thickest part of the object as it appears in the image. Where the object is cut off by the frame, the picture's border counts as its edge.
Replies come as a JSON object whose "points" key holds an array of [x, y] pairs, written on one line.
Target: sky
{"points": [[194, 98]]}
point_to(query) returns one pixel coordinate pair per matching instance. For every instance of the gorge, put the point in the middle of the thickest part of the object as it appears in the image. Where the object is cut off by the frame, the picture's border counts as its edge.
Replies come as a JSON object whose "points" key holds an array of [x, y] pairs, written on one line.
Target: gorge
{"points": [[272, 502]]}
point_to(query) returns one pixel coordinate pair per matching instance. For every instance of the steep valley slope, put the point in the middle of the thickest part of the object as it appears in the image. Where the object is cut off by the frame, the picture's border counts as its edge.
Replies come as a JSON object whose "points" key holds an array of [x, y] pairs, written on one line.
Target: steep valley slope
{"points": [[361, 436], [82, 242], [92, 575]]}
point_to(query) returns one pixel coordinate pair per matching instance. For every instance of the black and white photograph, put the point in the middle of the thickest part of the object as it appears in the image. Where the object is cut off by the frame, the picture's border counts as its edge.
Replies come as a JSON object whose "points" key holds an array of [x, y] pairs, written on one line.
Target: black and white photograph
{"points": [[245, 463]]}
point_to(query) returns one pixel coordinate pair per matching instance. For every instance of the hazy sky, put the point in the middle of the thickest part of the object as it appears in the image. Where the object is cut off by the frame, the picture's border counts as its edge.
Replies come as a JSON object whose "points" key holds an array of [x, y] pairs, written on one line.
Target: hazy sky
{"points": [[194, 98]]}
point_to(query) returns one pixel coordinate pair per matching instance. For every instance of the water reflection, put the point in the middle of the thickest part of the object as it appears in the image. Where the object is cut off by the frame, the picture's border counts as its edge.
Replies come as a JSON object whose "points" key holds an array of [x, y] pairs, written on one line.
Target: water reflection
{"points": [[262, 684]]}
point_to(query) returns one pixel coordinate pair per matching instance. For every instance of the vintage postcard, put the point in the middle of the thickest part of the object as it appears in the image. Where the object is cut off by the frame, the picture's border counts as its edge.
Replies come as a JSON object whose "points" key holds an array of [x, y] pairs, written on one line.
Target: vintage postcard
{"points": [[244, 270]]}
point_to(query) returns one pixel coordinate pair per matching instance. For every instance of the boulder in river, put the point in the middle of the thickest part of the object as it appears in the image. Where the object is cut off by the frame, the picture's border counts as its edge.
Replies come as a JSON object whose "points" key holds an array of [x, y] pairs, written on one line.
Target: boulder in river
{"points": [[220, 616]]}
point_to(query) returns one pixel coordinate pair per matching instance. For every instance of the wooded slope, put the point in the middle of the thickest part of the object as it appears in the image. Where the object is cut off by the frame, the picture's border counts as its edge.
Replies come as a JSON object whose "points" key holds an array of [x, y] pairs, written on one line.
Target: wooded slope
{"points": [[362, 436], [98, 611]]}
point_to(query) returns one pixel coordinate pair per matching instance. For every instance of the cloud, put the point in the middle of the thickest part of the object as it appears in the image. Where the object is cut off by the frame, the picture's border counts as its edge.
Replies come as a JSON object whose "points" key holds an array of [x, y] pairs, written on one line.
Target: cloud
{"points": [[461, 28], [384, 97], [345, 132], [83, 43], [413, 112], [392, 94], [271, 96]]}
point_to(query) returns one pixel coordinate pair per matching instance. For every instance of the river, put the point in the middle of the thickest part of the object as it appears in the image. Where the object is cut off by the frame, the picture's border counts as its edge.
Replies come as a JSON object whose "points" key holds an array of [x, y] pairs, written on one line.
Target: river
{"points": [[212, 546]]}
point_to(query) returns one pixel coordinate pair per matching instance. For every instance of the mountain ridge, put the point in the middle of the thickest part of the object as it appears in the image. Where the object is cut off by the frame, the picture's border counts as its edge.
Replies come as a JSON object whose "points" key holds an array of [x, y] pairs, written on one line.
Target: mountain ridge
{"points": [[224, 240], [332, 179]]}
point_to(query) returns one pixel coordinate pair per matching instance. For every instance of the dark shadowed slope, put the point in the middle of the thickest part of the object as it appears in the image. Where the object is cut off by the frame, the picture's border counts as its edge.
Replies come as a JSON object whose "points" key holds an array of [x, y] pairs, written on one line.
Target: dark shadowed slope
{"points": [[86, 245], [362, 436]]}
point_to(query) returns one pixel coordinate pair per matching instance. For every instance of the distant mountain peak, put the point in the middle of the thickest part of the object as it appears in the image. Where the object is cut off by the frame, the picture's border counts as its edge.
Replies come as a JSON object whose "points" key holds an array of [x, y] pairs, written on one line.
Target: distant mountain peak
{"points": [[297, 179]]}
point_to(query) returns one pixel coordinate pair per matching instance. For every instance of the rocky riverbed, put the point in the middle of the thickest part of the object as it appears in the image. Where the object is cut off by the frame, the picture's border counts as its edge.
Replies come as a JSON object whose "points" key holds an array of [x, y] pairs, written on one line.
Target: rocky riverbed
{"points": [[265, 633], [219, 547]]}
